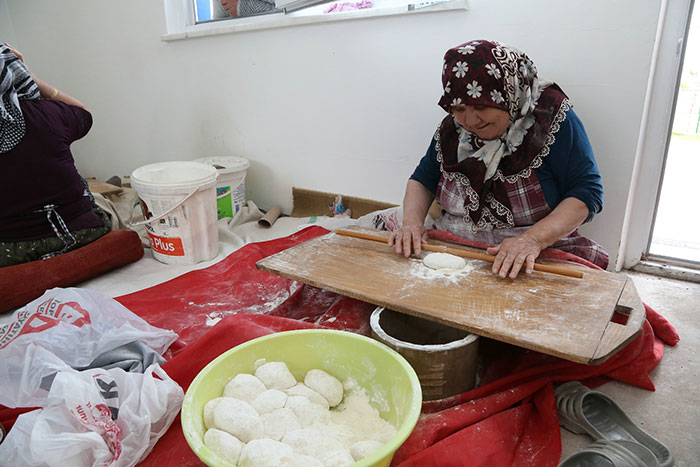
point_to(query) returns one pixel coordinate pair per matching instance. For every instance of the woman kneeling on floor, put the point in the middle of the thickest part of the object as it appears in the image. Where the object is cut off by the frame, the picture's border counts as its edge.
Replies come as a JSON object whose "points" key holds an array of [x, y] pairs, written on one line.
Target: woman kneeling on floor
{"points": [[510, 164]]}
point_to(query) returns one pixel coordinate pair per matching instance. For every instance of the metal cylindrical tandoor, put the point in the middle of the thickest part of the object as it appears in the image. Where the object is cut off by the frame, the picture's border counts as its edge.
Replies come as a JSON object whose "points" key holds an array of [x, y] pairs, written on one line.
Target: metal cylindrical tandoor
{"points": [[445, 358]]}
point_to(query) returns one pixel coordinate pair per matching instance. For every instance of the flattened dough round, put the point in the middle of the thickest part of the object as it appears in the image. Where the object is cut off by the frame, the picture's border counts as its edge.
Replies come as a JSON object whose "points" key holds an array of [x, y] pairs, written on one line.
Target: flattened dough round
{"points": [[444, 261], [326, 385], [224, 445], [264, 451], [245, 387], [209, 411], [268, 401], [276, 375], [238, 418]]}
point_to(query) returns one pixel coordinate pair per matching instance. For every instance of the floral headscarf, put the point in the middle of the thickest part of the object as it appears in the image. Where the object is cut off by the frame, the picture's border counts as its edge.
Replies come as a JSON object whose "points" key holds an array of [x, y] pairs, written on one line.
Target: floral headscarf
{"points": [[490, 74], [15, 83]]}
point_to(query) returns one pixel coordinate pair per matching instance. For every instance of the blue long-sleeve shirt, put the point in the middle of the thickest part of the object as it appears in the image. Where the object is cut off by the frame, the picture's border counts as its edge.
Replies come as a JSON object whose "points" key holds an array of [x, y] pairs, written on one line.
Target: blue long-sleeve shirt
{"points": [[569, 170]]}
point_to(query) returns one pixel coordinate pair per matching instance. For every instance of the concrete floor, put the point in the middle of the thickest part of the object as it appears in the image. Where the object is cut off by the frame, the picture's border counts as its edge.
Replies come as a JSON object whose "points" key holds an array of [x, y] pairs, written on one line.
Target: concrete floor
{"points": [[671, 413]]}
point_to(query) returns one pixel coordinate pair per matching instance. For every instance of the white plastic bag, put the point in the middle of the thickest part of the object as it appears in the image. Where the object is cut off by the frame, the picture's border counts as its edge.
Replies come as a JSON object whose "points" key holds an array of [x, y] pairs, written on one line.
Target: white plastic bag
{"points": [[94, 418], [75, 326]]}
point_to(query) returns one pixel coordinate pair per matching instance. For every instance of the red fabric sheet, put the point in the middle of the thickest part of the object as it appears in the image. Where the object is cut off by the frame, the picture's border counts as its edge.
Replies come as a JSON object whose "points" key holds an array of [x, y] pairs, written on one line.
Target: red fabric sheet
{"points": [[510, 420]]}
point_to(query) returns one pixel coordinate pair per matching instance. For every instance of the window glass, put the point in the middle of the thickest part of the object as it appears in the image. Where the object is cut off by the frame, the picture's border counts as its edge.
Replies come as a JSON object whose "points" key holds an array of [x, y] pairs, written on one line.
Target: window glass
{"points": [[202, 10], [211, 10], [185, 19]]}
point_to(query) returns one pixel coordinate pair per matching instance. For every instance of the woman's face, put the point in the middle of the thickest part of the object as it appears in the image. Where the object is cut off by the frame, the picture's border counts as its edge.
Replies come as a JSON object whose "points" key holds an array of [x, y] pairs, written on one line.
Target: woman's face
{"points": [[485, 122]]}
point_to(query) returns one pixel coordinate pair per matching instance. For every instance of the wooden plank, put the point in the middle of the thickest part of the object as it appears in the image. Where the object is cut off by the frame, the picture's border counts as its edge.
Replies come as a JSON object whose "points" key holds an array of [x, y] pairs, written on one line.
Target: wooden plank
{"points": [[616, 335], [553, 314]]}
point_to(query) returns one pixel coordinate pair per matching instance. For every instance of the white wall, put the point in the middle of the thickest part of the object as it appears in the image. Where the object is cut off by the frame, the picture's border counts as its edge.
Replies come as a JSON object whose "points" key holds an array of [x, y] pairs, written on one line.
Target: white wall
{"points": [[347, 107], [7, 30]]}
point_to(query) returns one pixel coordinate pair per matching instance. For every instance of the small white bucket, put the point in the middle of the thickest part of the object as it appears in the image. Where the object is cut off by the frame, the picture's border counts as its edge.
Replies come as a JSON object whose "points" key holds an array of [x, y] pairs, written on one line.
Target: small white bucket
{"points": [[178, 199], [230, 187]]}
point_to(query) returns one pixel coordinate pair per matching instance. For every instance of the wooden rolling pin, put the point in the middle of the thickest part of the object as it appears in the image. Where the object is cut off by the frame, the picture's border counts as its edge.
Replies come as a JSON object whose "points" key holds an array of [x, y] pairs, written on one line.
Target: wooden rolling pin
{"points": [[462, 253]]}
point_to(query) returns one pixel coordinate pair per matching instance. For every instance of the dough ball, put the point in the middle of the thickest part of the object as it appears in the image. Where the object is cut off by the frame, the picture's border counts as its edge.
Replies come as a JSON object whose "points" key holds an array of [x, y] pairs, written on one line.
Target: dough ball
{"points": [[300, 460], [264, 451], [209, 412], [326, 385], [302, 389], [245, 387], [311, 442], [444, 261], [306, 411], [238, 418], [279, 422], [269, 400], [276, 375], [337, 458], [223, 444], [362, 449]]}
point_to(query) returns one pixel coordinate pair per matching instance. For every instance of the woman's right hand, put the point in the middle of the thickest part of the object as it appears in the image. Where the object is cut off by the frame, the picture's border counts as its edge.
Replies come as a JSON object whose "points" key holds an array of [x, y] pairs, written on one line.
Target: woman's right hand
{"points": [[416, 203], [408, 238]]}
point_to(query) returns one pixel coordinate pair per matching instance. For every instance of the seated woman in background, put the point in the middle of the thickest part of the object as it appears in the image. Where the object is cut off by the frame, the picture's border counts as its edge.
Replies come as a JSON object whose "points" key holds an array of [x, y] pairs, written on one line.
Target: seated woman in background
{"points": [[46, 208], [510, 164], [237, 8]]}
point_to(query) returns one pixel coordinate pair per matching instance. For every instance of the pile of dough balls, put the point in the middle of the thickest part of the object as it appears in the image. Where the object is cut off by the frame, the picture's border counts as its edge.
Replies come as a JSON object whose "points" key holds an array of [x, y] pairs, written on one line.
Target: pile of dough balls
{"points": [[270, 419]]}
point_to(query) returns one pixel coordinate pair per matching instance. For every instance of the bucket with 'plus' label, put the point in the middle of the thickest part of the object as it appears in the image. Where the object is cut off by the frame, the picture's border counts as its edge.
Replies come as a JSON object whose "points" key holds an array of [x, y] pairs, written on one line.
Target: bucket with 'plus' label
{"points": [[178, 200]]}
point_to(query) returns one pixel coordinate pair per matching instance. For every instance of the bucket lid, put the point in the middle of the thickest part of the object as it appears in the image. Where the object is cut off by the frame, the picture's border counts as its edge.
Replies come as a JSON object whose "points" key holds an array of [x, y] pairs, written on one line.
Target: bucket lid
{"points": [[174, 173], [226, 165]]}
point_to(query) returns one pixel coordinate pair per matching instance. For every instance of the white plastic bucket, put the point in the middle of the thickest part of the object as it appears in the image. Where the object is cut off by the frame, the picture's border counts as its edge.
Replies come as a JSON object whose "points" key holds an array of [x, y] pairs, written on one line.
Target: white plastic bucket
{"points": [[230, 186], [178, 202]]}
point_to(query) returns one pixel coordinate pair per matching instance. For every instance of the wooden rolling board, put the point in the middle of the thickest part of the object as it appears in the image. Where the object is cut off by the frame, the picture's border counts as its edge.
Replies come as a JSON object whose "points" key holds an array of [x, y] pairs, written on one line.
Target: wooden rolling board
{"points": [[557, 315]]}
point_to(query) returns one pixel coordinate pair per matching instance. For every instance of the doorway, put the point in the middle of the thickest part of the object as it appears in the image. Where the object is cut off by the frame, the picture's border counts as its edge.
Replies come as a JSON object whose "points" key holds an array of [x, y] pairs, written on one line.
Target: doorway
{"points": [[675, 233]]}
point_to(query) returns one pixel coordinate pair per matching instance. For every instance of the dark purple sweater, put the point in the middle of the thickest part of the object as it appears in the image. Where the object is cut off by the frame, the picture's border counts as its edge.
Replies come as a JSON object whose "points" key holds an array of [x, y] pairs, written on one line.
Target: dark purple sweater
{"points": [[40, 170]]}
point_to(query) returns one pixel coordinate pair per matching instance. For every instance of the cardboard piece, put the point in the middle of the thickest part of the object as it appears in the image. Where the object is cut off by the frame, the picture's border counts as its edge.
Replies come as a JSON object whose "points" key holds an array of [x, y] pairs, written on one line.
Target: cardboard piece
{"points": [[315, 203], [102, 188]]}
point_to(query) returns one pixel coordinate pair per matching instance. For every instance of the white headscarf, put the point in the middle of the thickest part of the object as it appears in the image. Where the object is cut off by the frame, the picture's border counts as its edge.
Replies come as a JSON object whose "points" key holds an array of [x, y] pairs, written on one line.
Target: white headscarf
{"points": [[15, 83]]}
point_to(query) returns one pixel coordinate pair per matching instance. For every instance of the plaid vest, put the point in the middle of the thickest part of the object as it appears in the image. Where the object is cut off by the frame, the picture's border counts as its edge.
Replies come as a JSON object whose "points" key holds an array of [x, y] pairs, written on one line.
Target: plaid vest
{"points": [[528, 206]]}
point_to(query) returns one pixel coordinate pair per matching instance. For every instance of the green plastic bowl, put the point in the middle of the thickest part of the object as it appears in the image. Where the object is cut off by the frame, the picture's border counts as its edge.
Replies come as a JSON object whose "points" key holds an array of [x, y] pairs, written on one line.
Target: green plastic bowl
{"points": [[391, 383]]}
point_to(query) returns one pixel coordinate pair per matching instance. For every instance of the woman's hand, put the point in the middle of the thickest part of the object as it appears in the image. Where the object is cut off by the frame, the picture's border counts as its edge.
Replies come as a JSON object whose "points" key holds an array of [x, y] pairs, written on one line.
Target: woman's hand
{"points": [[416, 203], [408, 238], [513, 253], [15, 51]]}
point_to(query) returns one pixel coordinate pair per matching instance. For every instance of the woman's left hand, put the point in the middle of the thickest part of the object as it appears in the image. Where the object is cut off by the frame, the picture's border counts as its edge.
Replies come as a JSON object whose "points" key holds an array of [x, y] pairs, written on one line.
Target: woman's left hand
{"points": [[15, 51], [513, 253]]}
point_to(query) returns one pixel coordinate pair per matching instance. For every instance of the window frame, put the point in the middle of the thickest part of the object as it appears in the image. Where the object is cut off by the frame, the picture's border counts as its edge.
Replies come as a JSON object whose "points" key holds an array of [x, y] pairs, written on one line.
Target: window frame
{"points": [[181, 22]]}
